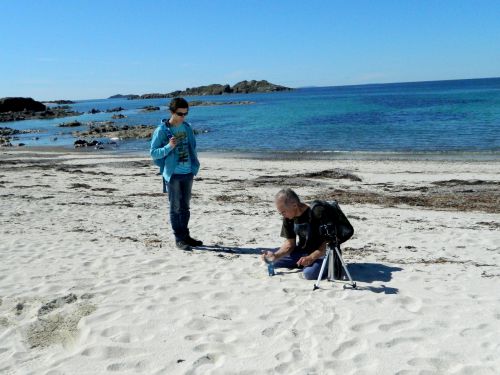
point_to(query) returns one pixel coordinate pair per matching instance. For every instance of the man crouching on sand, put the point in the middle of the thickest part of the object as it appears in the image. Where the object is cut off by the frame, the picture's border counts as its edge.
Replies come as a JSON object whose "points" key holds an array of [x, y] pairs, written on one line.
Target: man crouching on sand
{"points": [[298, 220]]}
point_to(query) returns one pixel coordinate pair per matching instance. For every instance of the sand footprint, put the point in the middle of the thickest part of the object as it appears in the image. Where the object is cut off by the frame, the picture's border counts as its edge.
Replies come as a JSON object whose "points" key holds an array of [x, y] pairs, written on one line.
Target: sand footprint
{"points": [[283, 368], [219, 296], [290, 356], [367, 327], [206, 362], [121, 366], [197, 324], [399, 341], [438, 365], [270, 331], [108, 352], [193, 337], [397, 325], [474, 331], [117, 334], [111, 331], [285, 356], [411, 304], [350, 348], [218, 346]]}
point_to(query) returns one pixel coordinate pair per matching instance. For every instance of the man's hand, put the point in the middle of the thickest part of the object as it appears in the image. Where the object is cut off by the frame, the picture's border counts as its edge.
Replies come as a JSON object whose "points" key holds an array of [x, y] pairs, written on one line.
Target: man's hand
{"points": [[268, 256], [173, 142], [305, 261]]}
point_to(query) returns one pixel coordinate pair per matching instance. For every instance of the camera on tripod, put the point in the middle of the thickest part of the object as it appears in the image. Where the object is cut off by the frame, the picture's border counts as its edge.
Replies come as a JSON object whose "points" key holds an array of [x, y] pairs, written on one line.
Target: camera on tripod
{"points": [[333, 256], [328, 232]]}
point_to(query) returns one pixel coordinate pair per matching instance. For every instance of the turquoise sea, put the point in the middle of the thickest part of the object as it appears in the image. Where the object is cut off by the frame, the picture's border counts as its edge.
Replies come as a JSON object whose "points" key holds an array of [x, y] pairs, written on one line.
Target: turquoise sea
{"points": [[456, 117]]}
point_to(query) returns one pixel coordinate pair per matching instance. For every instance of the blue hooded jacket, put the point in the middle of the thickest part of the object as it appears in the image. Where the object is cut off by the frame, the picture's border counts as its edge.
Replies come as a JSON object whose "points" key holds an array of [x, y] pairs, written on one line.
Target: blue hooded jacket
{"points": [[162, 153]]}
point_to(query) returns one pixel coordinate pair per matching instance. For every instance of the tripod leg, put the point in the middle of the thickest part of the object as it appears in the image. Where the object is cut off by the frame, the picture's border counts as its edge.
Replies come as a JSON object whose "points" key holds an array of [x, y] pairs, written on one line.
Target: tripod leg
{"points": [[337, 266], [325, 260], [331, 268], [353, 284]]}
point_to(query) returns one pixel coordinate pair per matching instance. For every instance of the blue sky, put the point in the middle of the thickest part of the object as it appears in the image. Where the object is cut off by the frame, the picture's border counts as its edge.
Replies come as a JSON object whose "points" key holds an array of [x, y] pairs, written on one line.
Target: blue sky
{"points": [[51, 49]]}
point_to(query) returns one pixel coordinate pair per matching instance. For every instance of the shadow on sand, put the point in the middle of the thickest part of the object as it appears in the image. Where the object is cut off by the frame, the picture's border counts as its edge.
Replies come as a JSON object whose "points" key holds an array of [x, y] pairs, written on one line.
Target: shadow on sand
{"points": [[235, 250], [371, 272], [361, 272]]}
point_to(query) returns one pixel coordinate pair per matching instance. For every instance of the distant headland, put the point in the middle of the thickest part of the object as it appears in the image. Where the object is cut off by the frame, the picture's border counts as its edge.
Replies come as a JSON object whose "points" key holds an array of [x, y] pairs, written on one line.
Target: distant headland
{"points": [[243, 87]]}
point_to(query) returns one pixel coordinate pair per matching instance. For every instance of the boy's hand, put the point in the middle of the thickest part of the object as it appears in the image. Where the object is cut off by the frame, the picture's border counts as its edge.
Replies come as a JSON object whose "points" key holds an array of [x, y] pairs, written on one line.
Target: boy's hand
{"points": [[173, 142]]}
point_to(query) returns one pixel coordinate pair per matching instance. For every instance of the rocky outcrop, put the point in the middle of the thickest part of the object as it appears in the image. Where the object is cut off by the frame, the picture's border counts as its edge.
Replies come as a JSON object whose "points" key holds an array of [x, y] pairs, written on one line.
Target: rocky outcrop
{"points": [[60, 102], [72, 124], [243, 87], [47, 113], [120, 96], [118, 116], [113, 131], [20, 105], [8, 134], [150, 108], [109, 130], [214, 89], [4, 131], [84, 143], [202, 103], [153, 96], [5, 142], [117, 109]]}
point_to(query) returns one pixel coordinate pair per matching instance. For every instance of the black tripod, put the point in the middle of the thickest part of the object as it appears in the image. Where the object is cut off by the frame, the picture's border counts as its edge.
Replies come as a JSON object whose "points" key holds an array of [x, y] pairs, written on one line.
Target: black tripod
{"points": [[333, 257]]}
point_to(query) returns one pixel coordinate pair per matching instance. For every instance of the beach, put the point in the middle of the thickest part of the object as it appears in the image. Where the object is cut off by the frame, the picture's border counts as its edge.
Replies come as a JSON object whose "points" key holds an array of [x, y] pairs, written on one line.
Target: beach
{"points": [[91, 281]]}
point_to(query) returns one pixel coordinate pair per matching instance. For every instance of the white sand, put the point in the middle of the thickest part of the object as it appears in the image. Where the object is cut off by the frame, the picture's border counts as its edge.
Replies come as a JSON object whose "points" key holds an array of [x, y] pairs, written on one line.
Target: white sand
{"points": [[91, 283]]}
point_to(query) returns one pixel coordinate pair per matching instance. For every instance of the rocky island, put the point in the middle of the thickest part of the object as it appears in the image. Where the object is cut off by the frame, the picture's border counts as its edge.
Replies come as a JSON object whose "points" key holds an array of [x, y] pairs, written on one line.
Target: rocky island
{"points": [[129, 96], [243, 87]]}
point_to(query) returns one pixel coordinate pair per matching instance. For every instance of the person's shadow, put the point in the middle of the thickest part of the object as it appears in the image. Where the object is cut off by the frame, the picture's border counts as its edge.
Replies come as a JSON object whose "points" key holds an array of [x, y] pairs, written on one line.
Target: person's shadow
{"points": [[362, 272], [235, 250], [371, 272]]}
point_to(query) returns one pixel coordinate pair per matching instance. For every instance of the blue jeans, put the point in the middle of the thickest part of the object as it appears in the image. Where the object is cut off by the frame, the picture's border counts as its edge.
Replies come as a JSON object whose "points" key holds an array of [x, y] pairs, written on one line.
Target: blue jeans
{"points": [[179, 194], [310, 272]]}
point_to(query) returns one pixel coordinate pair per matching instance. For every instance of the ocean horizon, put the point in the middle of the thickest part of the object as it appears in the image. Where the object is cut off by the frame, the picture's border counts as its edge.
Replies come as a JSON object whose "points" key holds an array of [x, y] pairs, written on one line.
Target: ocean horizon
{"points": [[432, 117]]}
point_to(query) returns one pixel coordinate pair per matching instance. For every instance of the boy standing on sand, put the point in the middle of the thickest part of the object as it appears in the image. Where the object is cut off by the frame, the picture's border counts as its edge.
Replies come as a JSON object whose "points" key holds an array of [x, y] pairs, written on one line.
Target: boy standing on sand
{"points": [[173, 149]]}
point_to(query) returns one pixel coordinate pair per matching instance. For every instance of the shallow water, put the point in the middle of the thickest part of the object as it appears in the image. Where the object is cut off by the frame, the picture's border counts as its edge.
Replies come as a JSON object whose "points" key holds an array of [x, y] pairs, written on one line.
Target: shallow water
{"points": [[445, 117]]}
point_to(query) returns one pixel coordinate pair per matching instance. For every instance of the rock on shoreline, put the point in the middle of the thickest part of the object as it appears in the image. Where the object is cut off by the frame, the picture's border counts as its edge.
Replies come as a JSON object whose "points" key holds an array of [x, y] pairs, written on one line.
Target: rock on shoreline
{"points": [[150, 108], [110, 130], [17, 109], [71, 124], [60, 101], [117, 109], [8, 134], [20, 105]]}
